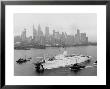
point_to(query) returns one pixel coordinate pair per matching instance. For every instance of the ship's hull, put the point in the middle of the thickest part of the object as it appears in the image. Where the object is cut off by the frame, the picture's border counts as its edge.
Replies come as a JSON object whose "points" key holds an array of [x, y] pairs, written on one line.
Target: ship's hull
{"points": [[63, 61]]}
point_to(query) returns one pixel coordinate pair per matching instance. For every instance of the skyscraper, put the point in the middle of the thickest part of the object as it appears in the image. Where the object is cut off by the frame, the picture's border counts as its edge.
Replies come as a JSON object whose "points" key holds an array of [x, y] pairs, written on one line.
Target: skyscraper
{"points": [[47, 35], [53, 33], [77, 37], [83, 38], [23, 35], [78, 32], [46, 31], [34, 34], [80, 38], [40, 33], [40, 36]]}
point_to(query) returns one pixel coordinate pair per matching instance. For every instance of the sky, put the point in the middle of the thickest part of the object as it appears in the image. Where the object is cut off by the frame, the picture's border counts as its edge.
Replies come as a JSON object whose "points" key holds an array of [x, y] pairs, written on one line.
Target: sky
{"points": [[69, 23]]}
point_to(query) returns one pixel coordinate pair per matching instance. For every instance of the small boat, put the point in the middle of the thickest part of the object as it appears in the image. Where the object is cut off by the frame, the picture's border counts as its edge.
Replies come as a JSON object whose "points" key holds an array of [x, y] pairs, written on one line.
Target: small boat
{"points": [[21, 60], [39, 67], [77, 66]]}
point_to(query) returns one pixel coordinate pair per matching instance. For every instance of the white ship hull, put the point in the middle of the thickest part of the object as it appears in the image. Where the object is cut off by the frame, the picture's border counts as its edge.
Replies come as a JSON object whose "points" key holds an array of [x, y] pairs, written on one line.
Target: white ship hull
{"points": [[63, 61]]}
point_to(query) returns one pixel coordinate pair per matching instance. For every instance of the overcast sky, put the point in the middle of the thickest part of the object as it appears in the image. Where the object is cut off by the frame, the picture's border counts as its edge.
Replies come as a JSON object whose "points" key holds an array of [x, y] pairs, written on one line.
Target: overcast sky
{"points": [[60, 22]]}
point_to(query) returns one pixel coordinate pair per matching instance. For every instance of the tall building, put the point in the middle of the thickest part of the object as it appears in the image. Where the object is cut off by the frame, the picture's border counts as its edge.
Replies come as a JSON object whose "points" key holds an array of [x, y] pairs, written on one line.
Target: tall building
{"points": [[77, 37], [34, 34], [47, 35], [83, 38], [46, 31], [86, 40], [80, 38], [23, 35], [40, 33], [78, 32], [40, 36], [53, 33]]}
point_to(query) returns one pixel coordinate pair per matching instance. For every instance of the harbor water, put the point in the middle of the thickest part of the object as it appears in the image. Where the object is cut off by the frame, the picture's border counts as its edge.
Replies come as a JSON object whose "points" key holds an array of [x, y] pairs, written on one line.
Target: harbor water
{"points": [[28, 68]]}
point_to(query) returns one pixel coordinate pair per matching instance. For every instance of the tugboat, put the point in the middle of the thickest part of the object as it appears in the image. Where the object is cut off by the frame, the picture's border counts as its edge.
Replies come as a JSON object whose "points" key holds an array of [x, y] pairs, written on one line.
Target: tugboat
{"points": [[39, 67], [21, 60], [77, 66]]}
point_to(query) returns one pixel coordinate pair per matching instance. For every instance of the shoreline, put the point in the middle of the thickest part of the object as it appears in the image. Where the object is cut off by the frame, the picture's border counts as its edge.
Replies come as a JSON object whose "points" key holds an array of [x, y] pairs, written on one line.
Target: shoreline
{"points": [[27, 48]]}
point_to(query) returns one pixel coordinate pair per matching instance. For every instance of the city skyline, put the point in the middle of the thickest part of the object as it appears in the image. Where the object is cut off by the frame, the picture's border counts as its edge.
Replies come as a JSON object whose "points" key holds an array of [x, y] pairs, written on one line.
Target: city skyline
{"points": [[54, 39], [68, 23]]}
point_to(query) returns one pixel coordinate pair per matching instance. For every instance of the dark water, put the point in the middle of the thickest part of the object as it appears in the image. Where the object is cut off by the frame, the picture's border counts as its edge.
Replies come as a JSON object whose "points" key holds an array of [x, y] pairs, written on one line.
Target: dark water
{"points": [[28, 68]]}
